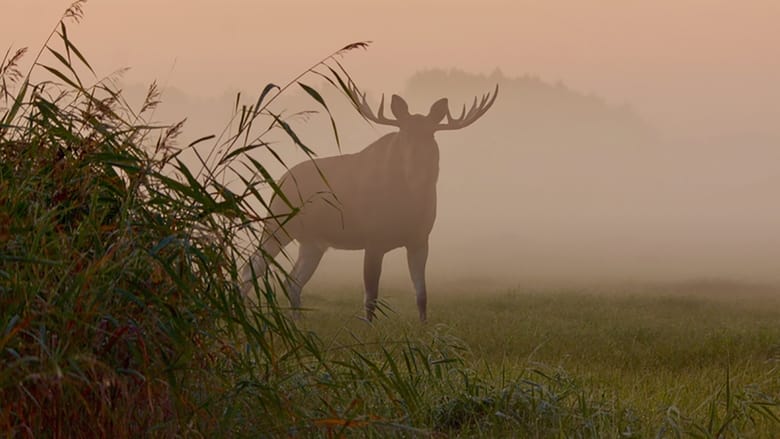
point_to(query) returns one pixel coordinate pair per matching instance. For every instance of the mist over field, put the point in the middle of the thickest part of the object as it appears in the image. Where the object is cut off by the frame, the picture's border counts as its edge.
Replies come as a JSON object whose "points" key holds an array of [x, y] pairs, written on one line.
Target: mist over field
{"points": [[629, 143], [557, 187]]}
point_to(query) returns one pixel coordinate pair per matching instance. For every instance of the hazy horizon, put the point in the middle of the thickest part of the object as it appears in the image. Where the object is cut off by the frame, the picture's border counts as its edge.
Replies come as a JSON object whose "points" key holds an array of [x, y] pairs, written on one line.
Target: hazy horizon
{"points": [[714, 59], [646, 149]]}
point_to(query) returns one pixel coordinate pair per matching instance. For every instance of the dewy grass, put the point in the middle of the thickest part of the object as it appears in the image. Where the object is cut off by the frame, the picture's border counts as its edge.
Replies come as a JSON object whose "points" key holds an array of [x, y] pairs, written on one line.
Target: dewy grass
{"points": [[121, 316], [639, 360]]}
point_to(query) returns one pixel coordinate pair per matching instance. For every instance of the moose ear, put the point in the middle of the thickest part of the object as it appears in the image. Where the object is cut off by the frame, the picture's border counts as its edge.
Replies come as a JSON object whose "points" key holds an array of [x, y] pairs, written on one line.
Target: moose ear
{"points": [[438, 110], [399, 108]]}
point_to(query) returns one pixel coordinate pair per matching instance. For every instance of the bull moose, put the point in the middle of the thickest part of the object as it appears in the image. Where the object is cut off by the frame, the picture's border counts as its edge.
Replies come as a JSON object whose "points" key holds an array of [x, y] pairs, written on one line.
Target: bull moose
{"points": [[376, 200]]}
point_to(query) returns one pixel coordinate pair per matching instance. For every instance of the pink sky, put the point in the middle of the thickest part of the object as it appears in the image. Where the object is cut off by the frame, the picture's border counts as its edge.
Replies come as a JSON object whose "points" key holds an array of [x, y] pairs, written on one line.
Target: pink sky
{"points": [[691, 67]]}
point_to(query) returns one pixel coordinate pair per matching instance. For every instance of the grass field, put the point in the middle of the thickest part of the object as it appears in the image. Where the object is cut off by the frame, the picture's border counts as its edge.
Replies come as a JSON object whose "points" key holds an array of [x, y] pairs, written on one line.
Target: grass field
{"points": [[653, 351]]}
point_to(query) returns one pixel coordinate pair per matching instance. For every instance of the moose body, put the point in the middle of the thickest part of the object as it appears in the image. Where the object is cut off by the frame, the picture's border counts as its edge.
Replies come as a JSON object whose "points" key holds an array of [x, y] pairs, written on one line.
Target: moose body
{"points": [[382, 197], [378, 199]]}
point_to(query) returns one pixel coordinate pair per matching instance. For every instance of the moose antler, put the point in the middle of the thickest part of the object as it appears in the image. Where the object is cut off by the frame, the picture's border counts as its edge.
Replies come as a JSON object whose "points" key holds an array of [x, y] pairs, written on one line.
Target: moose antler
{"points": [[359, 101], [474, 113]]}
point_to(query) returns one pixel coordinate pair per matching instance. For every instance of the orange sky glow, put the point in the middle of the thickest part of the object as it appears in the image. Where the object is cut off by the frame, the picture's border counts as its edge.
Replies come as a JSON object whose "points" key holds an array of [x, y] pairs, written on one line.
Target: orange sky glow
{"points": [[687, 66]]}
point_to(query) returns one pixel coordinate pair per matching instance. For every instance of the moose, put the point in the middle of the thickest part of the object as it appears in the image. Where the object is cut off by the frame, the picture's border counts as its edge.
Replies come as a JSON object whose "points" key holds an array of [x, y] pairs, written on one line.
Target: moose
{"points": [[376, 200]]}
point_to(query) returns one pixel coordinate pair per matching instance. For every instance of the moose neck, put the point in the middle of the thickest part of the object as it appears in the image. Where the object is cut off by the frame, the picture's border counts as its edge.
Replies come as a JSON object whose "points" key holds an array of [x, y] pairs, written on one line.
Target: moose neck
{"points": [[419, 156]]}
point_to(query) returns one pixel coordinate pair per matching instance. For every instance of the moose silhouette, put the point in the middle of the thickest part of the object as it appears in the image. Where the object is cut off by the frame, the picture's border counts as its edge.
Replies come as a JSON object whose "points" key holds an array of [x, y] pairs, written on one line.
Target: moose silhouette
{"points": [[378, 199]]}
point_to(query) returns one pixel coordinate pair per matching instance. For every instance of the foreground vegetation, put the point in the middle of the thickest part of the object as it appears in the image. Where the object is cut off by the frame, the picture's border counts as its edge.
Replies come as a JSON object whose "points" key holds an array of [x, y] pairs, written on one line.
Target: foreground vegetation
{"points": [[659, 353], [120, 313]]}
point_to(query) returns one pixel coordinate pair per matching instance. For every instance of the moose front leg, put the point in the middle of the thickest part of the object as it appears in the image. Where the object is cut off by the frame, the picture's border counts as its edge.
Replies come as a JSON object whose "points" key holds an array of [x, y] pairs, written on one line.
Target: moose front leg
{"points": [[416, 257], [372, 269]]}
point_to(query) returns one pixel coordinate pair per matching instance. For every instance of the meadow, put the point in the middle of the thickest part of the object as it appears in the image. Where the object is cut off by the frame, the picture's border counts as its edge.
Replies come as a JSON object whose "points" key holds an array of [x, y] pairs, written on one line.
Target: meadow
{"points": [[121, 314], [654, 350]]}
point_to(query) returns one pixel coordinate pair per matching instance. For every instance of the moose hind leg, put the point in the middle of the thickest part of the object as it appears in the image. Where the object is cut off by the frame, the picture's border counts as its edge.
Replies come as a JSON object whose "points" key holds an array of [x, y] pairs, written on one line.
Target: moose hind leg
{"points": [[416, 257], [372, 270], [270, 246], [309, 257]]}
